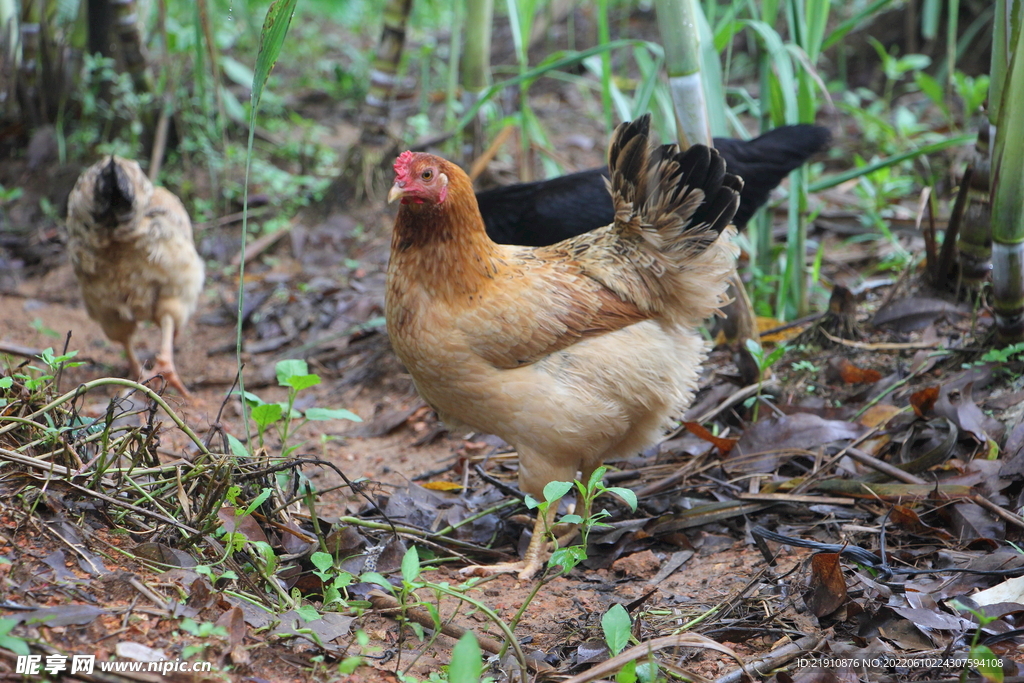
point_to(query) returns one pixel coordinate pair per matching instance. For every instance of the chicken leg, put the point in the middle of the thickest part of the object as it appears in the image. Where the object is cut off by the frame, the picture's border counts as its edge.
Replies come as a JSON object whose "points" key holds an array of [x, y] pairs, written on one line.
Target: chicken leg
{"points": [[534, 559], [165, 357]]}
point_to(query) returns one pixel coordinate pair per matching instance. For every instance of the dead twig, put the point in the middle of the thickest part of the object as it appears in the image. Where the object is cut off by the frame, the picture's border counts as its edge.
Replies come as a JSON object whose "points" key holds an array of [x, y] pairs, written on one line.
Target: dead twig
{"points": [[999, 511], [881, 346], [884, 467], [774, 659], [19, 350], [644, 649]]}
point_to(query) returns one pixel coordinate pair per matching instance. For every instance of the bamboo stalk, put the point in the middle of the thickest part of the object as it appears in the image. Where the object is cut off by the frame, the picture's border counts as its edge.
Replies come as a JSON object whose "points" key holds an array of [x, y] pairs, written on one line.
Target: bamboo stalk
{"points": [[1008, 195], [384, 73], [975, 242], [476, 64], [680, 35]]}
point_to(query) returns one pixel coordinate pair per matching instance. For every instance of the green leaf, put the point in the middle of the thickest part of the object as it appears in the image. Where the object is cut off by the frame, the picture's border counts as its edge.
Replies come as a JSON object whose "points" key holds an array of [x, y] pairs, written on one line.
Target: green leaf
{"points": [[322, 561], [467, 661], [647, 672], [411, 565], [6, 382], [275, 27], [15, 645], [377, 579], [556, 489], [627, 674], [267, 414], [568, 558], [237, 447], [349, 665], [308, 613], [300, 382], [287, 369], [988, 665], [596, 477], [616, 625], [257, 501], [625, 494], [571, 519], [530, 502], [237, 72], [250, 398], [930, 87], [332, 414]]}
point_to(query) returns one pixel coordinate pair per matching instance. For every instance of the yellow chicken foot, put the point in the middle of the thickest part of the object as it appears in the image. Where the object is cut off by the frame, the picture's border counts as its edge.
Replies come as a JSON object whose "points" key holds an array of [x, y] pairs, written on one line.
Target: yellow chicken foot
{"points": [[532, 562]]}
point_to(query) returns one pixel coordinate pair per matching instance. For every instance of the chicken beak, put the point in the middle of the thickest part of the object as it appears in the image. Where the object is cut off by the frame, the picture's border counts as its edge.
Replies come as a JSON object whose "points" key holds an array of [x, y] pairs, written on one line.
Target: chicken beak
{"points": [[397, 192]]}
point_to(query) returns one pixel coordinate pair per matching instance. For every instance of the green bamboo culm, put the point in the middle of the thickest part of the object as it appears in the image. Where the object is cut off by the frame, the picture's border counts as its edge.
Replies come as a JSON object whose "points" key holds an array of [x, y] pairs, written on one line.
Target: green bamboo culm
{"points": [[680, 35], [1008, 191], [383, 74], [1000, 58], [476, 61]]}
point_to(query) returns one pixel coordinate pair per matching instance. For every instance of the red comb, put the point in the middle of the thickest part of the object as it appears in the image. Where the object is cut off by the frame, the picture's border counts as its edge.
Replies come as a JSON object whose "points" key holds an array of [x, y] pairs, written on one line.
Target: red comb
{"points": [[402, 165]]}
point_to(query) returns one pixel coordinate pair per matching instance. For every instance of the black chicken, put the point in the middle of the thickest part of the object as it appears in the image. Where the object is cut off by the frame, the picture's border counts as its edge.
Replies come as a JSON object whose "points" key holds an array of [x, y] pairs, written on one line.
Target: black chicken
{"points": [[547, 211]]}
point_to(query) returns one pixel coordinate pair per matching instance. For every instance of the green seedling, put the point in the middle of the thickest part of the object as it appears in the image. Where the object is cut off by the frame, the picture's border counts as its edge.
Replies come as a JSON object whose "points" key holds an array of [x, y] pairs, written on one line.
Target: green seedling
{"points": [[569, 557], [764, 363], [283, 416], [981, 656]]}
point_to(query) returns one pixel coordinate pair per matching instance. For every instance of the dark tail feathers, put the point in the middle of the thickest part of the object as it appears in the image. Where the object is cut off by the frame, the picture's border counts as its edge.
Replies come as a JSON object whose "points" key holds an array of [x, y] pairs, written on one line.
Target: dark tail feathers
{"points": [[659, 181]]}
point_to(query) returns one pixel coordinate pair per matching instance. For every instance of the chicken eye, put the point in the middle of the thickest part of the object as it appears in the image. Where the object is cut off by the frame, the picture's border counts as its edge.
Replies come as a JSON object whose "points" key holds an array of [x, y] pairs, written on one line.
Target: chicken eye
{"points": [[427, 175]]}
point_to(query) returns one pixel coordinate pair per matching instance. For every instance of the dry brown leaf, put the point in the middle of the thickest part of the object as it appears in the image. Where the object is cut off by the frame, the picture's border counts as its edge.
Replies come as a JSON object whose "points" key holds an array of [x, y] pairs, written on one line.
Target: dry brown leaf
{"points": [[828, 585], [879, 414], [724, 445], [924, 400]]}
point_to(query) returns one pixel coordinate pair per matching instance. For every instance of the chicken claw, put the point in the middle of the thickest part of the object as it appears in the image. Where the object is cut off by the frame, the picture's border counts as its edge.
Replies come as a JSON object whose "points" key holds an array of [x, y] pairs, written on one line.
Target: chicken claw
{"points": [[532, 562]]}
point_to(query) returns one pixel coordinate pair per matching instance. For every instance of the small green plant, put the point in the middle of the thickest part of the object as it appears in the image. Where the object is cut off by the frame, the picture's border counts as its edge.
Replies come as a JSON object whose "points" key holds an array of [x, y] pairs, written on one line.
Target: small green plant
{"points": [[465, 659], [335, 582], [805, 366], [764, 362], [1003, 355], [205, 630], [981, 656], [283, 416], [18, 646], [35, 379], [569, 557], [9, 195]]}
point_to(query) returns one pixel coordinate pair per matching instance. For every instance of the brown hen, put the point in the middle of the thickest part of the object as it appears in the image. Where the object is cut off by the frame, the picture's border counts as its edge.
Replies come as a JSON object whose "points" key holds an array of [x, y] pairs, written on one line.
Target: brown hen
{"points": [[575, 353], [131, 247]]}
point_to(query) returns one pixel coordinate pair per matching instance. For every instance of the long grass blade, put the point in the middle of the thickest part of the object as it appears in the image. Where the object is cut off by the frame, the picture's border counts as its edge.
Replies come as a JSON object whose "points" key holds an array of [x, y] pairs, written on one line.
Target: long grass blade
{"points": [[854, 173], [866, 14], [275, 28]]}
